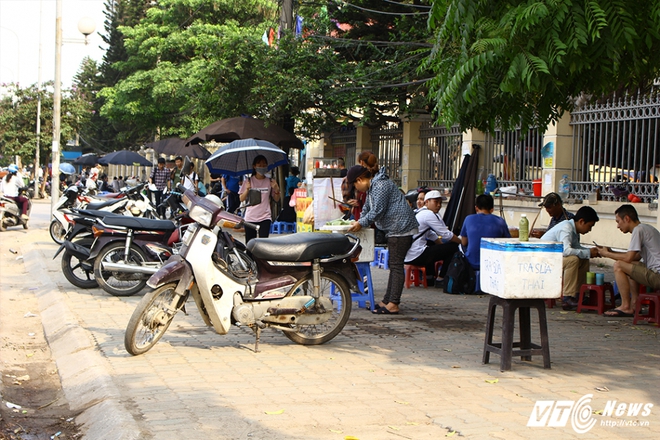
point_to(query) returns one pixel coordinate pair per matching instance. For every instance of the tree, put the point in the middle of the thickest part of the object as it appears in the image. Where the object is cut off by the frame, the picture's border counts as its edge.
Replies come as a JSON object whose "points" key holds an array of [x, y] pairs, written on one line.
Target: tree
{"points": [[18, 120], [189, 62], [523, 62]]}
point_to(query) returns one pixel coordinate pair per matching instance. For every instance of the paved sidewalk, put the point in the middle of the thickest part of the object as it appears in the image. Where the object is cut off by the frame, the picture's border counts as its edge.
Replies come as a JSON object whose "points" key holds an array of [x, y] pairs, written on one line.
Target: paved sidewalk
{"points": [[417, 375]]}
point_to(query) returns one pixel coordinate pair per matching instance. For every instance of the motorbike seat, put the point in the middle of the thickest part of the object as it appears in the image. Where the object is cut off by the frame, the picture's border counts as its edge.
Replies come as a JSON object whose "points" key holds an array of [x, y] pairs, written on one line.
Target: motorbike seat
{"points": [[99, 205], [95, 213], [302, 246], [139, 223]]}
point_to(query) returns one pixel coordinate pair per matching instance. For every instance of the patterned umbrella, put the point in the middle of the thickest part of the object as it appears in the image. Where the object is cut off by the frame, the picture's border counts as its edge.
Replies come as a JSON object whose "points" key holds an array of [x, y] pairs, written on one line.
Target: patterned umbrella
{"points": [[125, 157], [236, 158]]}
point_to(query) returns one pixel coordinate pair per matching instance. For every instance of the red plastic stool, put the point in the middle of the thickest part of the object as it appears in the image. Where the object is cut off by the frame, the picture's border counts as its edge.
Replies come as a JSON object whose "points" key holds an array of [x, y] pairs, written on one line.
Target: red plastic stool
{"points": [[413, 275], [592, 297], [652, 300]]}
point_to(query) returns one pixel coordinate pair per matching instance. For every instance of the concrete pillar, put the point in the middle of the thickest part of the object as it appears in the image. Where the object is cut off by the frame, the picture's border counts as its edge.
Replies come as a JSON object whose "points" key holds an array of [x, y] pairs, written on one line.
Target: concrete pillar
{"points": [[471, 137], [411, 155], [362, 141], [557, 153]]}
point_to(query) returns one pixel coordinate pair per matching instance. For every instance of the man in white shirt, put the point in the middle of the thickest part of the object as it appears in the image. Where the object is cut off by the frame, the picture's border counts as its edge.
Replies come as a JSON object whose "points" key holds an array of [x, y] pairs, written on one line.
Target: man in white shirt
{"points": [[434, 242], [629, 270]]}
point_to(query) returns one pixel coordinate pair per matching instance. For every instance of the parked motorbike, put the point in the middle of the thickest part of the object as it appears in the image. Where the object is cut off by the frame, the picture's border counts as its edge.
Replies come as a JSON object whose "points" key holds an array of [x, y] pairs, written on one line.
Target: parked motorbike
{"points": [[299, 284], [127, 251], [10, 213], [129, 201]]}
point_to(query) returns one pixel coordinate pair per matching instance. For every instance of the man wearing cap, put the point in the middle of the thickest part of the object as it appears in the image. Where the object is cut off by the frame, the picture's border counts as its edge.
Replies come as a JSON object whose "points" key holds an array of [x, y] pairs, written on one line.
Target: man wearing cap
{"points": [[160, 178], [555, 208], [435, 242]]}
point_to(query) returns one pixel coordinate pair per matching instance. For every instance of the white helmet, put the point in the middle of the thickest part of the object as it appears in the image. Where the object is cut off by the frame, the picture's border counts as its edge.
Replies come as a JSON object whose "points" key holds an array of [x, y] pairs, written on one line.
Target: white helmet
{"points": [[215, 199]]}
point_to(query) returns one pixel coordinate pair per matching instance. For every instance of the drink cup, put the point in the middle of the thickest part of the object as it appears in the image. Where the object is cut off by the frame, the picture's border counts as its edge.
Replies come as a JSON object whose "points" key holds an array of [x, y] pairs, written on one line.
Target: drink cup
{"points": [[600, 279], [591, 278]]}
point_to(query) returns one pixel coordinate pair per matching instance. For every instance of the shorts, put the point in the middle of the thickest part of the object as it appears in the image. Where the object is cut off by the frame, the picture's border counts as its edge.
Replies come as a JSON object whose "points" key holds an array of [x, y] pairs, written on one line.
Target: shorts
{"points": [[645, 276]]}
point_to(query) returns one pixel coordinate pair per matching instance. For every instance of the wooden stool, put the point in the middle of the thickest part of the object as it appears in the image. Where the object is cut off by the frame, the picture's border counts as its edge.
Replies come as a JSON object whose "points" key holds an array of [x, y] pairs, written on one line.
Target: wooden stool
{"points": [[652, 300], [506, 348], [415, 275], [594, 296]]}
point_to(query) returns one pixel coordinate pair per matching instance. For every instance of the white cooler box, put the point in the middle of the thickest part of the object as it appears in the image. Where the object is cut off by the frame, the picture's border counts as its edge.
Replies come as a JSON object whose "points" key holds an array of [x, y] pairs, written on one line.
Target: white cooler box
{"points": [[514, 269]]}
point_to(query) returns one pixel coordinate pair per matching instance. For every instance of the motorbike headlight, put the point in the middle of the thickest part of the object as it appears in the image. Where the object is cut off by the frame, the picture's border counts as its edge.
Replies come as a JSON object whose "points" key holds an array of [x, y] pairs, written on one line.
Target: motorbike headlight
{"points": [[201, 215]]}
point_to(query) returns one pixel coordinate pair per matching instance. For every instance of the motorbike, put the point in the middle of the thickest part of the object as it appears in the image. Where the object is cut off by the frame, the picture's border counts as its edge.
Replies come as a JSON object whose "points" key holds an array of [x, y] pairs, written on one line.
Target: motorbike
{"points": [[299, 283], [10, 213], [78, 266], [129, 201]]}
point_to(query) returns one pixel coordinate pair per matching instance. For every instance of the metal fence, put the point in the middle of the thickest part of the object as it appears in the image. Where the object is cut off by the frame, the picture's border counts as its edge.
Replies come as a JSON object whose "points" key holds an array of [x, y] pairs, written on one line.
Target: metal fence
{"points": [[440, 155], [513, 157], [616, 148], [387, 144], [344, 144]]}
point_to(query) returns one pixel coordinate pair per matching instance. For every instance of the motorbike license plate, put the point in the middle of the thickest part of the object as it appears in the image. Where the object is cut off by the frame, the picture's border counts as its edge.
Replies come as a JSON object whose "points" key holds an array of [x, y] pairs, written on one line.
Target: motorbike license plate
{"points": [[187, 237]]}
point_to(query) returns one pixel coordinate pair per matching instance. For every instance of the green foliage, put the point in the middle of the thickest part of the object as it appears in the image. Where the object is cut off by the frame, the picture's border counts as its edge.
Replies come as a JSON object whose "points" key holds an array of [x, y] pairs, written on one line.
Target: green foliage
{"points": [[523, 62], [18, 120]]}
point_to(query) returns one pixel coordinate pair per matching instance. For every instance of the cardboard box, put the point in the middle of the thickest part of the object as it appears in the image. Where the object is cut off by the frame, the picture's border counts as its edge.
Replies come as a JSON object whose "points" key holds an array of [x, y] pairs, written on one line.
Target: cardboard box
{"points": [[516, 269]]}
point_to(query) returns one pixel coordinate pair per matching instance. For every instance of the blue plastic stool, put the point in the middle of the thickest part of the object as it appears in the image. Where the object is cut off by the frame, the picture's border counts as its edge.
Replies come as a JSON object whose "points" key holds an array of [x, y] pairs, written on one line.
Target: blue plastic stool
{"points": [[365, 292], [282, 227], [384, 259], [377, 251]]}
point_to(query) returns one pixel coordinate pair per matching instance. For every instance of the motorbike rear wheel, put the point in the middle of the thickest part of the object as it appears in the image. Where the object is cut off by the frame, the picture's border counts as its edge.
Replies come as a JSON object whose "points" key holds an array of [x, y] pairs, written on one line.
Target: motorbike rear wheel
{"points": [[57, 232], [120, 283], [334, 287], [151, 318], [78, 272]]}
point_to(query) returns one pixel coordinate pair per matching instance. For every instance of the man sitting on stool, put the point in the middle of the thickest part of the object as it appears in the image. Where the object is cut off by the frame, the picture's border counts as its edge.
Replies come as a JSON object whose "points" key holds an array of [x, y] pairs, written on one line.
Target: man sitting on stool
{"points": [[434, 242], [575, 263], [629, 270]]}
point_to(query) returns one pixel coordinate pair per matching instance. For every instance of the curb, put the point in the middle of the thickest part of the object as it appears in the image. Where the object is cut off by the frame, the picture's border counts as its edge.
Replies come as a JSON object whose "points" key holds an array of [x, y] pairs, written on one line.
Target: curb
{"points": [[86, 382]]}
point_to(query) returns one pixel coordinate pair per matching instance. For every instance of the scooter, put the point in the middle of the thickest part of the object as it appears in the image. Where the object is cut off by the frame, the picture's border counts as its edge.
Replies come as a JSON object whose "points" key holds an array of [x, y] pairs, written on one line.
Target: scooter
{"points": [[10, 213], [299, 284]]}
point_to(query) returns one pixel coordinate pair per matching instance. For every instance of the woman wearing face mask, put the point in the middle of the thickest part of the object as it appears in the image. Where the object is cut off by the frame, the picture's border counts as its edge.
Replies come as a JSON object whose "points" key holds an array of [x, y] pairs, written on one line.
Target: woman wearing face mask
{"points": [[259, 214]]}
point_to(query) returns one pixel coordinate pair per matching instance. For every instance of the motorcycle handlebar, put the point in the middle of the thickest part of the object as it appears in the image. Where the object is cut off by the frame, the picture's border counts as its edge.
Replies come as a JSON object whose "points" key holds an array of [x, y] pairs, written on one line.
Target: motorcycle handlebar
{"points": [[250, 225]]}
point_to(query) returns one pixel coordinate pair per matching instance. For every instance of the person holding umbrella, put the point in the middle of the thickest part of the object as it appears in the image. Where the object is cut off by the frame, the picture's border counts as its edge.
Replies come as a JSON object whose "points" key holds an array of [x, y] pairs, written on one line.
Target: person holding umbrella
{"points": [[260, 213]]}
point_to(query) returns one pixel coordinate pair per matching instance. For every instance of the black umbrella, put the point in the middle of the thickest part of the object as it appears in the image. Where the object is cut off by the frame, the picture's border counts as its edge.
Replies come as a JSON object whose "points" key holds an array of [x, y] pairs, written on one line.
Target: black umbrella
{"points": [[227, 130], [89, 159], [125, 157], [177, 147]]}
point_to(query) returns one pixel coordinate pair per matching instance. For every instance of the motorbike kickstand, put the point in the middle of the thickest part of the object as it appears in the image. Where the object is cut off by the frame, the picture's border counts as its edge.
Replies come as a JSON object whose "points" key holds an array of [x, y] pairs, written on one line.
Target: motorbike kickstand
{"points": [[257, 332]]}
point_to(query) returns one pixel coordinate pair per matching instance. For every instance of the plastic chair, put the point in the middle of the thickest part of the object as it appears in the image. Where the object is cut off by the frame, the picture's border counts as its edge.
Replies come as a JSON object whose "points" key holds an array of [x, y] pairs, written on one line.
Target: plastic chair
{"points": [[652, 301], [415, 275]]}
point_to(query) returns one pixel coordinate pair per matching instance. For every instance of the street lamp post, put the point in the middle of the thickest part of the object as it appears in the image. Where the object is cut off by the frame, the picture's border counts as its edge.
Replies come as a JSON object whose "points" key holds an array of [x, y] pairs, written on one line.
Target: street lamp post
{"points": [[86, 27]]}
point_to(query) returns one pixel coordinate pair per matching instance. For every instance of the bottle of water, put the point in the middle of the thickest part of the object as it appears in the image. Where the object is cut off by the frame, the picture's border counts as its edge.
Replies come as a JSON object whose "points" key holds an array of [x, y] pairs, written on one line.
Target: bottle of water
{"points": [[564, 188], [523, 232]]}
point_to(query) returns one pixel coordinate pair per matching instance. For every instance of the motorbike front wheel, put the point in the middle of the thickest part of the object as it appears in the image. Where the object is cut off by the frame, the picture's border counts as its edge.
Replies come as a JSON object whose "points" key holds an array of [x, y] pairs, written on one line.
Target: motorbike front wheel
{"points": [[78, 272], [57, 232], [120, 283], [151, 318], [334, 287]]}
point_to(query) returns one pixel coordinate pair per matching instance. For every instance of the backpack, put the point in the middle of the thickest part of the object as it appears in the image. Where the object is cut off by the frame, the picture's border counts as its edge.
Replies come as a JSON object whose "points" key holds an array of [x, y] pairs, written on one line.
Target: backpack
{"points": [[461, 278]]}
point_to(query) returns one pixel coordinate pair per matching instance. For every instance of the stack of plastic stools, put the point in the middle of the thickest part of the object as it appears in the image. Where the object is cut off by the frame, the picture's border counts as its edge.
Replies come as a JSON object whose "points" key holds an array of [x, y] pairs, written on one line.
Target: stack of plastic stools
{"points": [[415, 275], [526, 349], [282, 227], [384, 259], [365, 287], [592, 297], [377, 251], [652, 301]]}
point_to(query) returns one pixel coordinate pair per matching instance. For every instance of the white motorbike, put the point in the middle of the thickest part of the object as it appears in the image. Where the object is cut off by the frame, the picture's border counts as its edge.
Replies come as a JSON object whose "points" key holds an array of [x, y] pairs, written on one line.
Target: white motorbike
{"points": [[299, 284], [10, 213]]}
